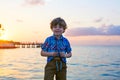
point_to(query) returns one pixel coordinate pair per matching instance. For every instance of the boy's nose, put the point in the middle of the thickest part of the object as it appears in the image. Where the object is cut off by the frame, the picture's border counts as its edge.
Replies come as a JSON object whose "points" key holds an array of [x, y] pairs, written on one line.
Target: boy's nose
{"points": [[57, 26]]}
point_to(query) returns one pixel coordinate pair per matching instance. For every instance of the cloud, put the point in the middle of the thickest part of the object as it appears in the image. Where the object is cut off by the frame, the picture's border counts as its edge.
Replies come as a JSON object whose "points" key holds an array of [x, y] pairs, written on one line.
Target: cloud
{"points": [[103, 30], [98, 20], [35, 2], [113, 30]]}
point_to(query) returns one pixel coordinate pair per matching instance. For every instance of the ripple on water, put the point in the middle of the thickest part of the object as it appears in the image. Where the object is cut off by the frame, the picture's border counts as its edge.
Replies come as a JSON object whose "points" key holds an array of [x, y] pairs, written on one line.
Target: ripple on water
{"points": [[108, 74], [100, 65], [8, 78]]}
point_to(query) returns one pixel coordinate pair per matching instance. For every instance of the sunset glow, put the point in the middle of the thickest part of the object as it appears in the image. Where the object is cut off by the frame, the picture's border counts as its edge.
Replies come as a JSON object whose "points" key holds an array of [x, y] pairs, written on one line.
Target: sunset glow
{"points": [[4, 37], [90, 22]]}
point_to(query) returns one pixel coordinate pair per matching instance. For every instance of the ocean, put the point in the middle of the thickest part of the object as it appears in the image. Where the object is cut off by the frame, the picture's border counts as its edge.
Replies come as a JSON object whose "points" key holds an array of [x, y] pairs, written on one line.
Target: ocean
{"points": [[86, 63]]}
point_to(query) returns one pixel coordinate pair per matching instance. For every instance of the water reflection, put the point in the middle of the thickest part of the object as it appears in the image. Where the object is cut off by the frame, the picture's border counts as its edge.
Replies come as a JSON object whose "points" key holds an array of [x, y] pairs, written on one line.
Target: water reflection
{"points": [[87, 63], [20, 64], [1, 54]]}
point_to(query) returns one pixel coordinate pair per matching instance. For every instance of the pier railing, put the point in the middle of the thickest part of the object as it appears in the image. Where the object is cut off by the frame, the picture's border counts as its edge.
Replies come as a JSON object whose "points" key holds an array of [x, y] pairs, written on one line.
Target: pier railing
{"points": [[28, 44]]}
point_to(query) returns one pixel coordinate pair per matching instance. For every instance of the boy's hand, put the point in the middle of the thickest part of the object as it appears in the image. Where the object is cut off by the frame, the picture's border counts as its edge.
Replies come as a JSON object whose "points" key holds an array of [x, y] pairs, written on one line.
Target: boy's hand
{"points": [[54, 53], [62, 54]]}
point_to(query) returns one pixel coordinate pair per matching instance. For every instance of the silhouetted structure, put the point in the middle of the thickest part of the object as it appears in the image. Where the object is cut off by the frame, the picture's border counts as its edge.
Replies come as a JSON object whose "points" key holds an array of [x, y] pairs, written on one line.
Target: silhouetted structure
{"points": [[7, 44], [12, 44], [28, 44]]}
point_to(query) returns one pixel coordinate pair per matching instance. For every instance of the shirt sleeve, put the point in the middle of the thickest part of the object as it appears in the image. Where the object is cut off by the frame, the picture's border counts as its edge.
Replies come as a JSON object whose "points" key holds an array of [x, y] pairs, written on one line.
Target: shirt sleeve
{"points": [[68, 48], [45, 45]]}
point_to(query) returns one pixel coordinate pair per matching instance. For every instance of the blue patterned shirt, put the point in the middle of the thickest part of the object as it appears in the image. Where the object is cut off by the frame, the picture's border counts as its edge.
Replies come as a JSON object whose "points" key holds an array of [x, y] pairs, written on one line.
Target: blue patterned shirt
{"points": [[52, 44]]}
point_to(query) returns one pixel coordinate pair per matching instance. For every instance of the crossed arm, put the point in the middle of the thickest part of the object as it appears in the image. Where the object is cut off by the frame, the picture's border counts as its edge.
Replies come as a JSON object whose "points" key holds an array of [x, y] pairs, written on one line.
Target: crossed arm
{"points": [[46, 54]]}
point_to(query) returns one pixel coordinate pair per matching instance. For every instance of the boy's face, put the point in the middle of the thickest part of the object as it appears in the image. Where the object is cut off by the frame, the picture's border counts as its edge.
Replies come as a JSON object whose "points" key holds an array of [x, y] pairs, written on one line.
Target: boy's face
{"points": [[57, 30]]}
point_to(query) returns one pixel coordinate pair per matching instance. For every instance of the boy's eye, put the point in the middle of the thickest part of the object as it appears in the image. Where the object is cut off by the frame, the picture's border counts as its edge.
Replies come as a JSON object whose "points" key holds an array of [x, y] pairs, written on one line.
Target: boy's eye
{"points": [[58, 26], [55, 27]]}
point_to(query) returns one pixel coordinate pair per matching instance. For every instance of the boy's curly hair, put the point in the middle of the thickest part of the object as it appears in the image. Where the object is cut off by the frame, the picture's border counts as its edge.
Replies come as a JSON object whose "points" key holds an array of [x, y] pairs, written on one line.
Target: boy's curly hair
{"points": [[58, 21]]}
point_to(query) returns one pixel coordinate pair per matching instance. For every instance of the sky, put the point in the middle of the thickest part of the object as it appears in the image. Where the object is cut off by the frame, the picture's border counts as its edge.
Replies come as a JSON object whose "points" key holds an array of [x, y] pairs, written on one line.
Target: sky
{"points": [[89, 22]]}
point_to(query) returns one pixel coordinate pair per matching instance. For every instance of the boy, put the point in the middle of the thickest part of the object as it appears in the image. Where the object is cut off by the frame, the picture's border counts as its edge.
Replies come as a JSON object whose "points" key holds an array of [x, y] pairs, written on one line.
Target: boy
{"points": [[56, 48]]}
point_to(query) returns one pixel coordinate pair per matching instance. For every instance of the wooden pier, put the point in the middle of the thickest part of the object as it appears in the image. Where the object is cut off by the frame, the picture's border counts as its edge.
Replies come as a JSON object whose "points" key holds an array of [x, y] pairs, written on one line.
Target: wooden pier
{"points": [[28, 44]]}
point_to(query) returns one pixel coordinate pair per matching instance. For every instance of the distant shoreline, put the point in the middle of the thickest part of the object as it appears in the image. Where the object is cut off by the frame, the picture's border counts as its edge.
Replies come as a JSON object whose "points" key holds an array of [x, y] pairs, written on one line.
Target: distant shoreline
{"points": [[4, 44]]}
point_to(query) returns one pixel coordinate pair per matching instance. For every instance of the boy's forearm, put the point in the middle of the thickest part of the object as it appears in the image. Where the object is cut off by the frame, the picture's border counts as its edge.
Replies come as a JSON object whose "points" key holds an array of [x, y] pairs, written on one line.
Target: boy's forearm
{"points": [[46, 54]]}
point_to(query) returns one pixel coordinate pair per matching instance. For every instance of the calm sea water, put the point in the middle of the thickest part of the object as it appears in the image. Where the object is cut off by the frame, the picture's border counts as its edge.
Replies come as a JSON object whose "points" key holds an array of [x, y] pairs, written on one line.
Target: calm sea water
{"points": [[87, 63]]}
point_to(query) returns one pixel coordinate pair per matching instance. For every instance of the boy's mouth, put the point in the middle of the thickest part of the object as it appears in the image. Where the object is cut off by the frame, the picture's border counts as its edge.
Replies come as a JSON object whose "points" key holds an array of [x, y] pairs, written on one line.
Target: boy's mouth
{"points": [[57, 31]]}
